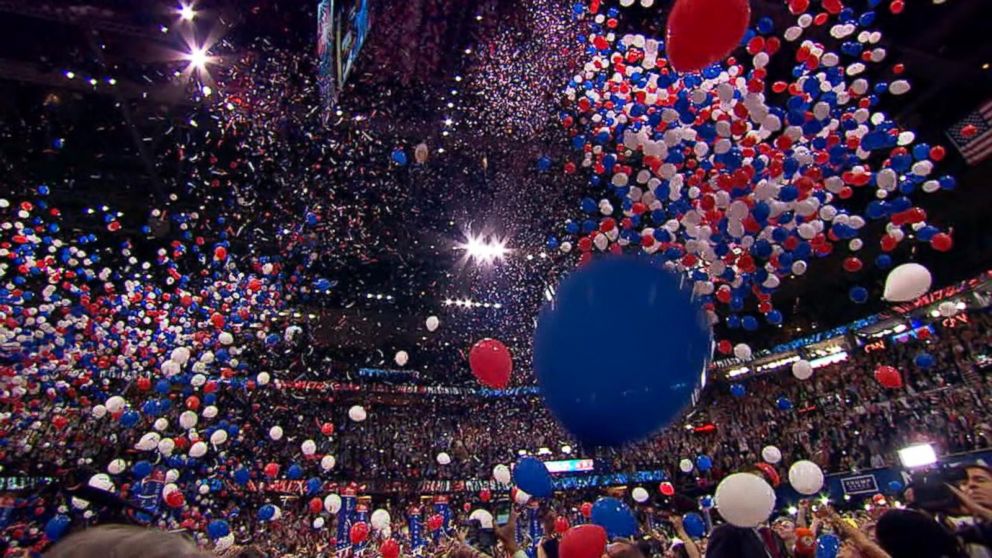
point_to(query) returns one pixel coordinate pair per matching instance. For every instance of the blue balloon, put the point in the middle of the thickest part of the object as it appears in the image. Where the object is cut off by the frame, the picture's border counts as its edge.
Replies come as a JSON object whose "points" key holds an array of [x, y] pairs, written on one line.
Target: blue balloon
{"points": [[614, 516], [827, 546], [56, 527], [750, 323], [895, 486], [218, 528], [610, 397], [706, 502], [694, 525], [924, 360], [858, 295], [704, 463], [242, 476], [532, 476], [141, 469], [266, 512], [129, 418], [314, 485], [294, 472], [399, 157], [783, 403], [737, 390]]}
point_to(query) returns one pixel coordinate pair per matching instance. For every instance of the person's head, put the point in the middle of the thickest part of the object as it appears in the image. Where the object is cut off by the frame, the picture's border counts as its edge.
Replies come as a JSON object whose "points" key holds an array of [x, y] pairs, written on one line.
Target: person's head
{"points": [[785, 528], [914, 534], [978, 484], [124, 541], [624, 550]]}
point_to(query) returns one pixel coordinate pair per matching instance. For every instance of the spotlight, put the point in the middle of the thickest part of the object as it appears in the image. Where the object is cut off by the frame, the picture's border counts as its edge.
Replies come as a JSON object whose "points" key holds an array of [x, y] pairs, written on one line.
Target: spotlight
{"points": [[186, 12], [198, 58], [484, 250]]}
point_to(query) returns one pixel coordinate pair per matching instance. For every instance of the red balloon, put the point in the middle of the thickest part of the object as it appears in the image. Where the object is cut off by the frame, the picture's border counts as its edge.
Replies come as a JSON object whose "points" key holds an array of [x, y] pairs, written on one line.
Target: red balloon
{"points": [[888, 376], [467, 507], [434, 522], [852, 264], [666, 488], [701, 32], [561, 524], [271, 470], [583, 541], [144, 384], [586, 509], [192, 402], [315, 505], [485, 495], [327, 429], [725, 347], [941, 242], [175, 499], [491, 363], [389, 549], [359, 532], [60, 422]]}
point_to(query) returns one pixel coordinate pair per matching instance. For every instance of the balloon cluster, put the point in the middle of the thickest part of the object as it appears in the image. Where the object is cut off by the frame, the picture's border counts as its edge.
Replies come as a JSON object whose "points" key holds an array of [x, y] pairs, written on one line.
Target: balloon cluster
{"points": [[734, 178]]}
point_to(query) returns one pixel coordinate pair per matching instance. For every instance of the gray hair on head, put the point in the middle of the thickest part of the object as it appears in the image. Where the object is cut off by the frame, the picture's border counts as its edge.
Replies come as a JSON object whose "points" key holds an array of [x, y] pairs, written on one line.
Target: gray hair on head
{"points": [[125, 541]]}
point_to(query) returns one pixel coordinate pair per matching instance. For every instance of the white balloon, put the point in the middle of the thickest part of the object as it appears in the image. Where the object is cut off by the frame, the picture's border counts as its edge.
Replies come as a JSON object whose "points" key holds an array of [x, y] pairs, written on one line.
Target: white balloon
{"points": [[433, 323], [443, 458], [209, 411], [686, 465], [771, 454], [172, 475], [199, 449], [521, 497], [188, 419], [742, 351], [357, 413], [502, 474], [148, 442], [484, 517], [802, 369], [101, 481], [115, 404], [223, 543], [203, 489], [401, 358], [744, 500], [277, 514], [218, 437], [308, 447], [379, 519], [332, 503], [799, 267], [160, 424], [99, 411], [806, 477], [318, 523], [275, 433], [907, 282], [166, 446], [79, 503], [180, 355], [225, 338], [639, 494], [327, 462], [263, 378], [420, 153], [117, 466]]}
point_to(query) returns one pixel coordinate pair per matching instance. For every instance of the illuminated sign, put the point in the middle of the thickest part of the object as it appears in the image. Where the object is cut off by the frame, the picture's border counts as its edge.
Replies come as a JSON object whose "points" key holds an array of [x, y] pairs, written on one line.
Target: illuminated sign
{"points": [[570, 466], [875, 346]]}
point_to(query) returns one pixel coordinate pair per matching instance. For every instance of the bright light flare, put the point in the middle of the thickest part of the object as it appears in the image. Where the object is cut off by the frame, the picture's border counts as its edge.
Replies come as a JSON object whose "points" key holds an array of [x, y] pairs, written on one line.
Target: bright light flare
{"points": [[186, 12], [484, 250], [198, 58]]}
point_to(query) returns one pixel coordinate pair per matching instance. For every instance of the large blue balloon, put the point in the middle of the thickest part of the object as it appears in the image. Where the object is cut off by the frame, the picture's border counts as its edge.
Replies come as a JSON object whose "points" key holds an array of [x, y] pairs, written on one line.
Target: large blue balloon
{"points": [[694, 525], [532, 476], [614, 516], [620, 350], [704, 463], [266, 512], [56, 527]]}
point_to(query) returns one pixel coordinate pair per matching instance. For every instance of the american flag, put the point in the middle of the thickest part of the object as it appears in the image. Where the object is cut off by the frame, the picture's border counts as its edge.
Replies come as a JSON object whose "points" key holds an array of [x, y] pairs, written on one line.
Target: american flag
{"points": [[978, 127]]}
